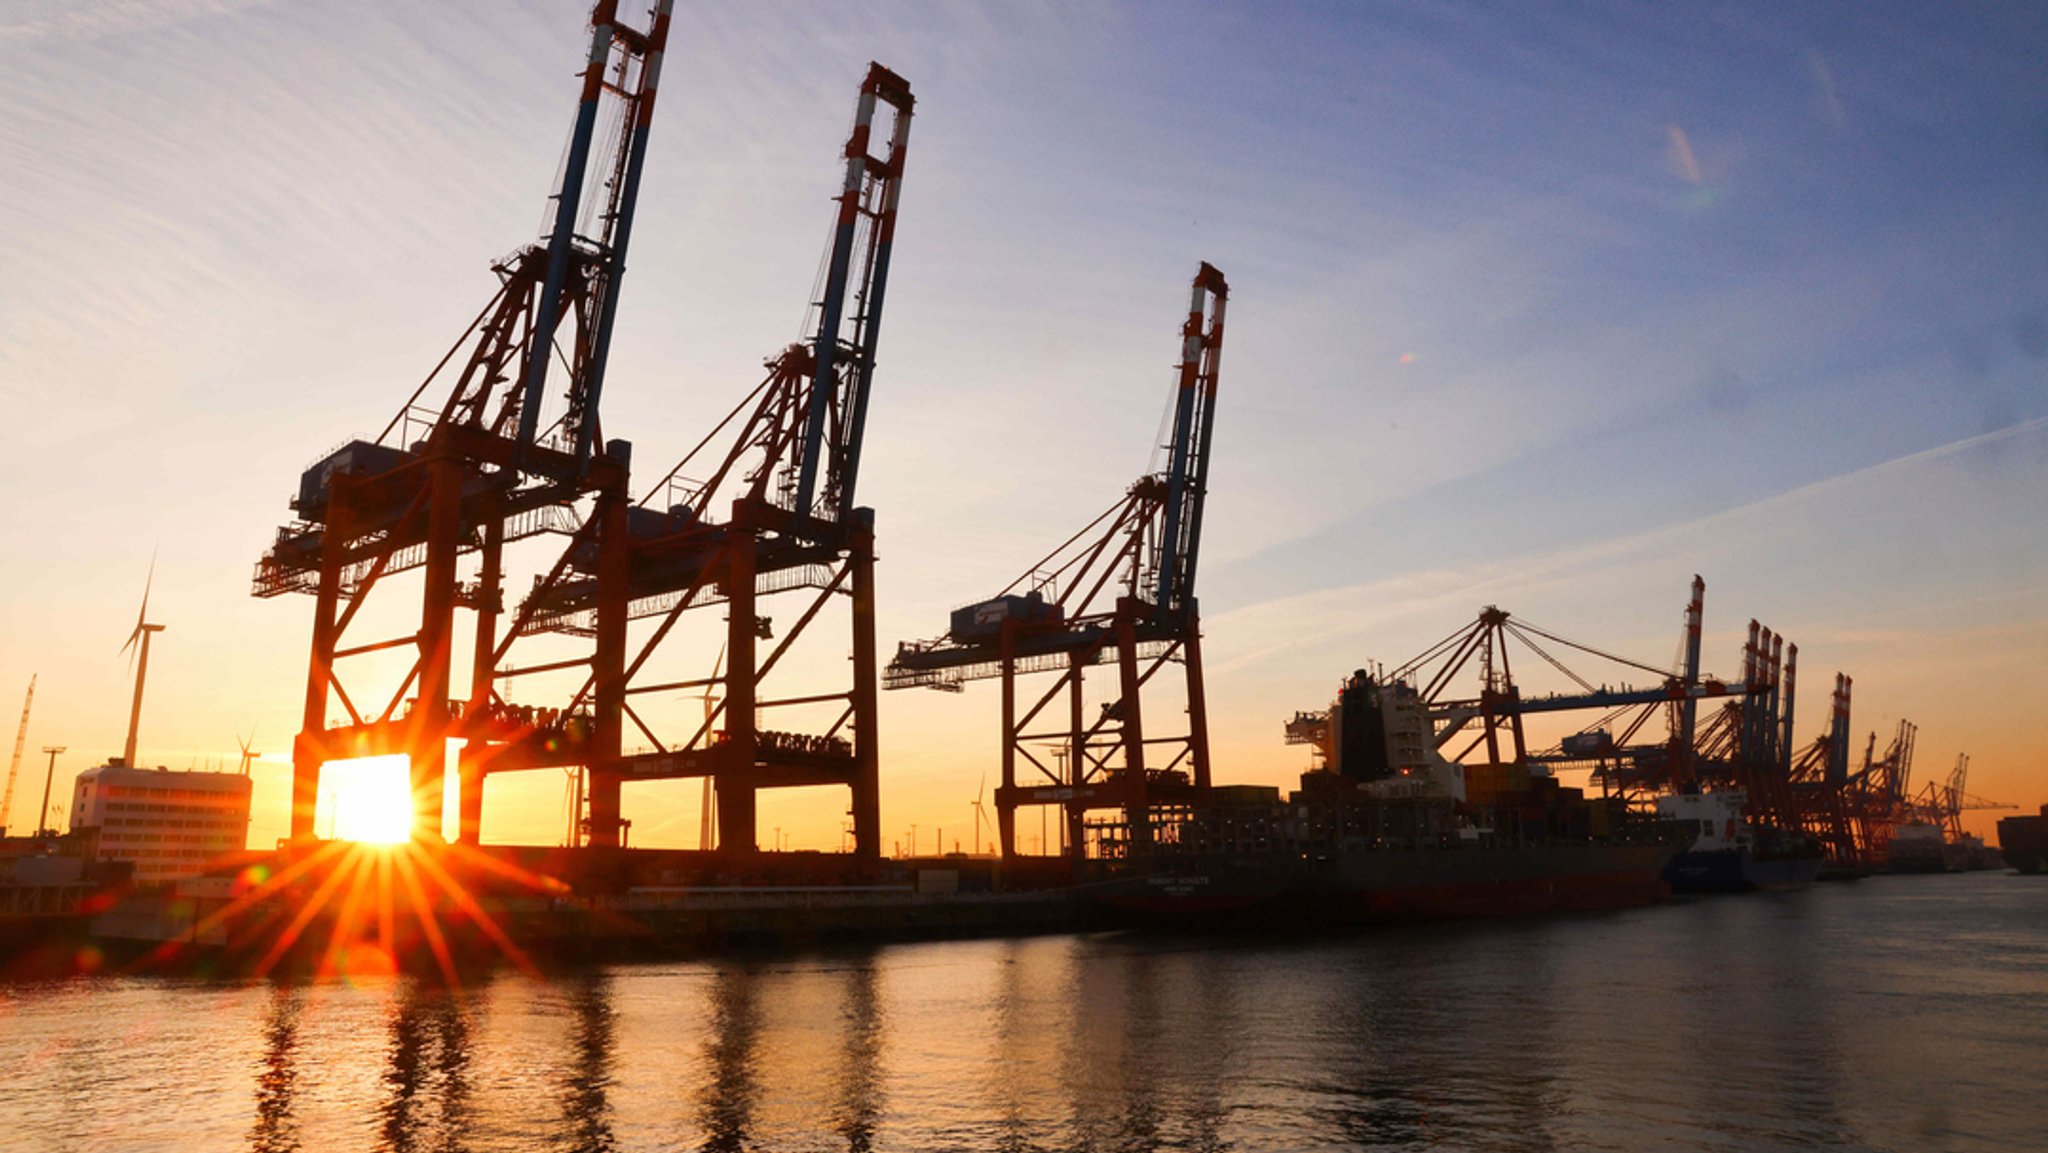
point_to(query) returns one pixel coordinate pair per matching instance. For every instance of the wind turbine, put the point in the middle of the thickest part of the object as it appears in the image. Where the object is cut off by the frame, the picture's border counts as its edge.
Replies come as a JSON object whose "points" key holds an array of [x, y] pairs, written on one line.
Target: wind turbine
{"points": [[247, 754], [707, 822], [979, 817], [143, 629]]}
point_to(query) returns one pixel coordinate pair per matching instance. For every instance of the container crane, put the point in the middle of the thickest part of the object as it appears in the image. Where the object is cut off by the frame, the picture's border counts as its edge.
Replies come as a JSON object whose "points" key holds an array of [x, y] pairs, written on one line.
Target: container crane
{"points": [[1490, 724], [1121, 590], [781, 470], [1944, 804], [1817, 782], [1875, 796], [1486, 734], [499, 460]]}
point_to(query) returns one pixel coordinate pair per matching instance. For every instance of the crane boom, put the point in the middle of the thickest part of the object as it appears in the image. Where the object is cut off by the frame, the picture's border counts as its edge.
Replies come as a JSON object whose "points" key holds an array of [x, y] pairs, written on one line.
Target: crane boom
{"points": [[1187, 478], [868, 196], [14, 766], [634, 56]]}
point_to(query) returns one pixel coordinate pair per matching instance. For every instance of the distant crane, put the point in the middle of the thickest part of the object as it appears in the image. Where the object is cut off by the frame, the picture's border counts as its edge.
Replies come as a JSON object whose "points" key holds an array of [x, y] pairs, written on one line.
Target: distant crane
{"points": [[1122, 591], [1487, 729], [1945, 803], [14, 765]]}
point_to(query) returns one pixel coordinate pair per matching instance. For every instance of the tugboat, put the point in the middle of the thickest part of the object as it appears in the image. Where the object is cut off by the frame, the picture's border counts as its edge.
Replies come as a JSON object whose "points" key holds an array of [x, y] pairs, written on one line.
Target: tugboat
{"points": [[1731, 855]]}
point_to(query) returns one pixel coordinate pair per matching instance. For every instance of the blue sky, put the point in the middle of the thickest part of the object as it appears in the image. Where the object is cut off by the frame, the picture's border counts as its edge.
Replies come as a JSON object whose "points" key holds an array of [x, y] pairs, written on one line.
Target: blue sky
{"points": [[1546, 308]]}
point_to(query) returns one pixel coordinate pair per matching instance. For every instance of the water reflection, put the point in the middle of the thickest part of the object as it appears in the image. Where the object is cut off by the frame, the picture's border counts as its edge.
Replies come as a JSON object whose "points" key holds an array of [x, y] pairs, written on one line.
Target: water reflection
{"points": [[1493, 1087], [1032, 982], [1626, 1032], [1767, 1013], [586, 1103], [1111, 1072], [426, 1079], [726, 1104], [860, 1076], [276, 1129]]}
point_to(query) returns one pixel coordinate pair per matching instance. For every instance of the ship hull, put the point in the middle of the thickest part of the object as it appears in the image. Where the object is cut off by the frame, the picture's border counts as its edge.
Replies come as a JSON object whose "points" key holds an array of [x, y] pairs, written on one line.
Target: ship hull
{"points": [[1741, 871], [1384, 886], [1917, 859], [2024, 842]]}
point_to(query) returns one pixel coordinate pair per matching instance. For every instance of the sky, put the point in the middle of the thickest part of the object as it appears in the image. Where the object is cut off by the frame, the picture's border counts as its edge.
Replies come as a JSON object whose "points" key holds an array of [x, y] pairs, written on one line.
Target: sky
{"points": [[1543, 308]]}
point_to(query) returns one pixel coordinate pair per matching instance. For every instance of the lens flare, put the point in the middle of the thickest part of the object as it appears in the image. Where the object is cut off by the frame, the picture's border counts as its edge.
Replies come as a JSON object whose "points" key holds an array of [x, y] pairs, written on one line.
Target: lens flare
{"points": [[368, 799]]}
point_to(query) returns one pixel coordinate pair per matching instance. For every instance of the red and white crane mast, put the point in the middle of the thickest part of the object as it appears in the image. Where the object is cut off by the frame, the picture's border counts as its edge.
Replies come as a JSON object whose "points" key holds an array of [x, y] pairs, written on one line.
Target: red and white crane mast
{"points": [[1121, 590], [773, 513], [487, 467]]}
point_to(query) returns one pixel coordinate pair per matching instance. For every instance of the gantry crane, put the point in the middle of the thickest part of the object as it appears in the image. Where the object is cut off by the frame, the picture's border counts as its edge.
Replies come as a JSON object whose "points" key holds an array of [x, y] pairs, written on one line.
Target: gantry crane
{"points": [[782, 469], [512, 452], [1121, 590], [1749, 744], [1486, 733], [1818, 781], [1873, 799], [1944, 803], [1491, 723]]}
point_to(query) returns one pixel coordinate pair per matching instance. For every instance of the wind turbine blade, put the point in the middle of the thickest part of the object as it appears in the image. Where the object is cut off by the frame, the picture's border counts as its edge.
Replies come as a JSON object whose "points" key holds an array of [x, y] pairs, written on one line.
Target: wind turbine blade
{"points": [[982, 789], [142, 615]]}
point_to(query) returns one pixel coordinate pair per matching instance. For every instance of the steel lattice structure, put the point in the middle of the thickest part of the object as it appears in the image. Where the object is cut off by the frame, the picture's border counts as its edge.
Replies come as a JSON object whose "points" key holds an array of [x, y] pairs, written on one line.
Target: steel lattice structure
{"points": [[513, 451], [782, 470], [1122, 591]]}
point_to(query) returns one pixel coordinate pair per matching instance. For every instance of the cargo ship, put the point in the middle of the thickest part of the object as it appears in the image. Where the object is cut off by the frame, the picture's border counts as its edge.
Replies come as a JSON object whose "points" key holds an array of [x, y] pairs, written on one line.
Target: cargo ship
{"points": [[1732, 855], [1384, 829], [2024, 841], [1978, 856], [1920, 847]]}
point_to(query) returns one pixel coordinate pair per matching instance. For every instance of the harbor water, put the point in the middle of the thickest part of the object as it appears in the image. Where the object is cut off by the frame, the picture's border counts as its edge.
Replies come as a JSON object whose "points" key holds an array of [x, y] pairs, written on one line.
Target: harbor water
{"points": [[1894, 1013]]}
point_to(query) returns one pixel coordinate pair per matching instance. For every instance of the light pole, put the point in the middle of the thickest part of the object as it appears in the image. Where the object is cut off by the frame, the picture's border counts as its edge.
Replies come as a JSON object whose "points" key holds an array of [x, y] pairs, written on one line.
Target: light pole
{"points": [[50, 774]]}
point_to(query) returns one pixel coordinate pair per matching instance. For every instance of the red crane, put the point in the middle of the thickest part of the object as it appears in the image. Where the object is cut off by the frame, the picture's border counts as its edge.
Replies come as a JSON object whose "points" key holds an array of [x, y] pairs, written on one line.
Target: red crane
{"points": [[1121, 590], [512, 451], [780, 470]]}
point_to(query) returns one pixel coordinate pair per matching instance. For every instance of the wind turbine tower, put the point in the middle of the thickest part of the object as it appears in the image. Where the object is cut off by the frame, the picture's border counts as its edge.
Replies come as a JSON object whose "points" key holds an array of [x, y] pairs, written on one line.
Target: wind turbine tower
{"points": [[143, 629]]}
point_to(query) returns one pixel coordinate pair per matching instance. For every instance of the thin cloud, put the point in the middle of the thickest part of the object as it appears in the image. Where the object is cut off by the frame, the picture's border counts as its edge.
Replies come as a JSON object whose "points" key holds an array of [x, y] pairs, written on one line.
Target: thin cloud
{"points": [[1295, 622], [79, 21]]}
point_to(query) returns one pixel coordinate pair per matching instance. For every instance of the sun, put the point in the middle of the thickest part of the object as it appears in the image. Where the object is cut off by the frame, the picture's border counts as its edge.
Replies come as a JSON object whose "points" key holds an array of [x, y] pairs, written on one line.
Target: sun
{"points": [[367, 799]]}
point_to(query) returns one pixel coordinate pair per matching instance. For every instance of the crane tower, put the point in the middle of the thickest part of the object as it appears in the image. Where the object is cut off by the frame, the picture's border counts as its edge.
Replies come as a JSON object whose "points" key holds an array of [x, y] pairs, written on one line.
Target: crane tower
{"points": [[1121, 591], [764, 507], [512, 451]]}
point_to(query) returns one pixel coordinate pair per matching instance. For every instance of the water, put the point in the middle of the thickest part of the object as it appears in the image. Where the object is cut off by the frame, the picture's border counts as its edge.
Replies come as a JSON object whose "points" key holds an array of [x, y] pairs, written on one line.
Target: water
{"points": [[1902, 1013]]}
